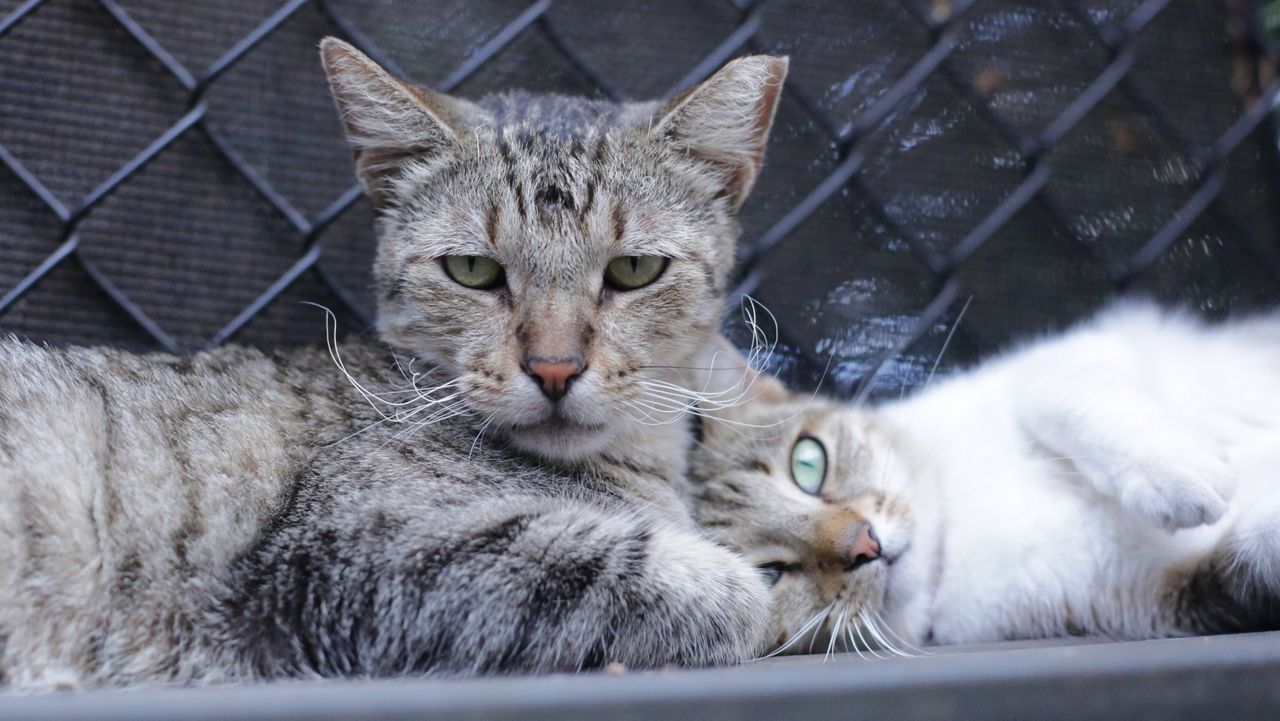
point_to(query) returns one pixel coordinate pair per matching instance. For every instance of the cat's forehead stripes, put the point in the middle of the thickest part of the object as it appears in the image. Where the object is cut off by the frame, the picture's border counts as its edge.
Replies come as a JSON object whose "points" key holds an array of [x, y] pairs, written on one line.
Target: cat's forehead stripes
{"points": [[550, 175], [551, 184]]}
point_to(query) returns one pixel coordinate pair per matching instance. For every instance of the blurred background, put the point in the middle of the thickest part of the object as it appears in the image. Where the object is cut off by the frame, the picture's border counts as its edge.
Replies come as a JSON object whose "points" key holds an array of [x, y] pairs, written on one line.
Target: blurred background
{"points": [[173, 176]]}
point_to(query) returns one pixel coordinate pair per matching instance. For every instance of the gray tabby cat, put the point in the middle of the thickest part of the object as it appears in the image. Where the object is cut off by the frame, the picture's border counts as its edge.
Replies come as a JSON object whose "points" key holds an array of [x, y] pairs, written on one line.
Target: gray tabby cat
{"points": [[501, 490]]}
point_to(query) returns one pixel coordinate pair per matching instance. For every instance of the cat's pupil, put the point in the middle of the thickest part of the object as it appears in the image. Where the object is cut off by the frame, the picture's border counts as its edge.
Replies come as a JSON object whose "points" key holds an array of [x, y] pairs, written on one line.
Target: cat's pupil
{"points": [[471, 264], [635, 263]]}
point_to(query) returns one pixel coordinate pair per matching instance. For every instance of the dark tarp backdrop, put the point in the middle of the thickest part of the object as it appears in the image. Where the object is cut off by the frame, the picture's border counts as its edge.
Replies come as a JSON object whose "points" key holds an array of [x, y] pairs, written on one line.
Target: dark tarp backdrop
{"points": [[172, 175]]}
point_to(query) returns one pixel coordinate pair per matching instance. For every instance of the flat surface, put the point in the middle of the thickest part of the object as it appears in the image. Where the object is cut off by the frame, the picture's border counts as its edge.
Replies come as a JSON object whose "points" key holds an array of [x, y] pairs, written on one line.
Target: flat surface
{"points": [[1236, 677]]}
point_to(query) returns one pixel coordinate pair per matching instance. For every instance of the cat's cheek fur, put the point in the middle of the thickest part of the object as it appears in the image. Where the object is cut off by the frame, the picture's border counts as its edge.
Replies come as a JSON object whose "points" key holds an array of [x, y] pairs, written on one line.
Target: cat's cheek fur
{"points": [[452, 336], [908, 592]]}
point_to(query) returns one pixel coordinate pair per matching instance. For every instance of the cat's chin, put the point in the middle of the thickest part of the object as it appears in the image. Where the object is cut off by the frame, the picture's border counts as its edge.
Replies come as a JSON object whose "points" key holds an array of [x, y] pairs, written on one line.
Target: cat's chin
{"points": [[560, 439]]}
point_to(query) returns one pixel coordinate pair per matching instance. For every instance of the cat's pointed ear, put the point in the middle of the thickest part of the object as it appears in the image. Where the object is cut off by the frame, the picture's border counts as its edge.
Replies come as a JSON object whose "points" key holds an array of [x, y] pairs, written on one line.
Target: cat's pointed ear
{"points": [[725, 120], [387, 121]]}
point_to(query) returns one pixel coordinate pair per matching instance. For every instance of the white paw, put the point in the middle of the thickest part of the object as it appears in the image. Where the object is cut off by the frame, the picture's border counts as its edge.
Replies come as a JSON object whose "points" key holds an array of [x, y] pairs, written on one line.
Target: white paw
{"points": [[51, 678], [1181, 489], [1254, 548]]}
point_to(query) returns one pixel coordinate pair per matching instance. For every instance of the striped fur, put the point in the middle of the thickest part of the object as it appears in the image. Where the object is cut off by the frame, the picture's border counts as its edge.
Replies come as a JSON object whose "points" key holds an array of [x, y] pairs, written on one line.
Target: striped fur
{"points": [[424, 509]]}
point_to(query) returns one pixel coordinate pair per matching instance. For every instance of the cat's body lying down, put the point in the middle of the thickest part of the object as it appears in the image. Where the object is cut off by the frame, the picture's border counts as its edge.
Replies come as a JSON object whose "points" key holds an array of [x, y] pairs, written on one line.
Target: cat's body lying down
{"points": [[1120, 480], [239, 516], [555, 266]]}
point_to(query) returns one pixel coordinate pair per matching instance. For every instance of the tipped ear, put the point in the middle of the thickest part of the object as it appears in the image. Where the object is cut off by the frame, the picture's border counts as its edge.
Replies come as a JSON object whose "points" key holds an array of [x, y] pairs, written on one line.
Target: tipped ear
{"points": [[387, 121], [725, 120]]}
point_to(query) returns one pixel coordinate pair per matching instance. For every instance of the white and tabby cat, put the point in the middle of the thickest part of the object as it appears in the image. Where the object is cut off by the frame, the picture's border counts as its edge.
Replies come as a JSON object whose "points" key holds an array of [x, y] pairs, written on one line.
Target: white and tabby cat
{"points": [[495, 505], [1122, 479]]}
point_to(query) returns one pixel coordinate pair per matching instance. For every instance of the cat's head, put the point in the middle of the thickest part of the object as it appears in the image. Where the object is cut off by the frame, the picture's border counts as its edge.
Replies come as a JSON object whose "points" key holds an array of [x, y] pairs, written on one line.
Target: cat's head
{"points": [[810, 492], [544, 250]]}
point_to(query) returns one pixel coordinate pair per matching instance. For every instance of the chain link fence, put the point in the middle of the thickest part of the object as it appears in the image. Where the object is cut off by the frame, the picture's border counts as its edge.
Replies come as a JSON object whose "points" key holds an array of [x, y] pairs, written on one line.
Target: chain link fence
{"points": [[174, 176]]}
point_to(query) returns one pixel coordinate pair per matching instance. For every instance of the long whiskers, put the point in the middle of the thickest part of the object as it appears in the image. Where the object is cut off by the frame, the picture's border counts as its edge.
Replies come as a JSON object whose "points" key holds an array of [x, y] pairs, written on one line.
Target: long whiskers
{"points": [[480, 434], [663, 402], [857, 628], [888, 629], [872, 623], [398, 405], [835, 633], [812, 624], [437, 417], [931, 313], [947, 342], [853, 643], [864, 633]]}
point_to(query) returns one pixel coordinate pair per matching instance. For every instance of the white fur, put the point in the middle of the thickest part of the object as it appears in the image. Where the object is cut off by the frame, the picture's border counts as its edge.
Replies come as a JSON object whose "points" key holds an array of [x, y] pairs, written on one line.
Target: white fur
{"points": [[1056, 485]]}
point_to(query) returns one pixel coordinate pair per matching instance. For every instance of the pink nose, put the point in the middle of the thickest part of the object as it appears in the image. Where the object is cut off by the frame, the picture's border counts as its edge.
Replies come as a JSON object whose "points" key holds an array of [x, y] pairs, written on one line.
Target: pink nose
{"points": [[865, 547], [553, 375]]}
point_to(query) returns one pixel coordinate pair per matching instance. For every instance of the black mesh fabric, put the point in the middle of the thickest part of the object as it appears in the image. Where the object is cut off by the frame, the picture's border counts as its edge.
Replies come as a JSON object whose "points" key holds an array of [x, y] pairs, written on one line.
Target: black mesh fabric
{"points": [[174, 175]]}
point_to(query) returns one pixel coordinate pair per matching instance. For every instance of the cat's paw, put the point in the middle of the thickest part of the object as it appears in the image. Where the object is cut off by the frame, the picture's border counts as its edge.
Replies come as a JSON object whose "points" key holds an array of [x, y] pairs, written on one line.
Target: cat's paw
{"points": [[1183, 488], [51, 678], [1253, 551]]}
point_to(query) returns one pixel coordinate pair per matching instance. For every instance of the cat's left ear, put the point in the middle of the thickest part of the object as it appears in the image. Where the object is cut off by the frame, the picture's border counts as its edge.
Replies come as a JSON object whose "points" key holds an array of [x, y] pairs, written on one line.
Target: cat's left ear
{"points": [[388, 122], [725, 120]]}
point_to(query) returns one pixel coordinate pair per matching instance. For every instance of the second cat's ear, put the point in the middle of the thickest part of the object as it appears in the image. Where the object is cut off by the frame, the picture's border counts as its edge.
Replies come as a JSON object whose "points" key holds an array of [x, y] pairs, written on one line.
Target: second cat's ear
{"points": [[725, 120], [731, 376], [388, 122]]}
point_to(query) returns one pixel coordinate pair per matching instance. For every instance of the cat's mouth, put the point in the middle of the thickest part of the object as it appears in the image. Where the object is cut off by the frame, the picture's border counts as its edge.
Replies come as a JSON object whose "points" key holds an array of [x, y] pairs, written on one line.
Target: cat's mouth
{"points": [[558, 437], [559, 424]]}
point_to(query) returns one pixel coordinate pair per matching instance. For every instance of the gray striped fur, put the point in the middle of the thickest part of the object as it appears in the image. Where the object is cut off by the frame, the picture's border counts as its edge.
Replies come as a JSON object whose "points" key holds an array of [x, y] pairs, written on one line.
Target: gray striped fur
{"points": [[242, 515]]}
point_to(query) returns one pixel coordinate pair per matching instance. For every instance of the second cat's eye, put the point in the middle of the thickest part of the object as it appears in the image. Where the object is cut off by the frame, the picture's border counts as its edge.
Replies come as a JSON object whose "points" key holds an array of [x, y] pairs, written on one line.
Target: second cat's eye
{"points": [[629, 272], [809, 464], [771, 572], [474, 271]]}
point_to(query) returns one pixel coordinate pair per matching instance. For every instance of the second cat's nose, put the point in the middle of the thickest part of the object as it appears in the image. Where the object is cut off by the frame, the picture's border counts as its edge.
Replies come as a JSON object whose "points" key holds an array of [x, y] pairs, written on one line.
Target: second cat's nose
{"points": [[553, 375], [865, 547]]}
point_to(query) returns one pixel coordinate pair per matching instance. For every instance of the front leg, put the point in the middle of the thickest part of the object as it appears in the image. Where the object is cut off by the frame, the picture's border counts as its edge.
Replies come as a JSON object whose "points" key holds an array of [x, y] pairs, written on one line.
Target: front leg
{"points": [[1236, 586], [534, 585], [1128, 446]]}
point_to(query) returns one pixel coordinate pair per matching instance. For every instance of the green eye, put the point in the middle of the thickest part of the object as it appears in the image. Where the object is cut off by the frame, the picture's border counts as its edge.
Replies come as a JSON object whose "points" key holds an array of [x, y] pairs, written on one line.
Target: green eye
{"points": [[474, 271], [808, 464], [628, 272]]}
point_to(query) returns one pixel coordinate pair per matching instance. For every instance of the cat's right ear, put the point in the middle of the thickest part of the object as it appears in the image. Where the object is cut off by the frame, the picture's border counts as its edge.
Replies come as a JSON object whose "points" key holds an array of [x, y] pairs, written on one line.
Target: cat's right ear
{"points": [[388, 122]]}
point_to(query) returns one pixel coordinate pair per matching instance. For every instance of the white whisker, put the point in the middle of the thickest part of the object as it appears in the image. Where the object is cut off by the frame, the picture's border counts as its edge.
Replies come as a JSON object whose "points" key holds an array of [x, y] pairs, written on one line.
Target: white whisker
{"points": [[664, 397], [873, 628], [947, 341], [857, 628], [483, 427], [907, 644], [835, 633], [817, 618], [677, 413], [398, 405], [818, 629], [848, 630]]}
